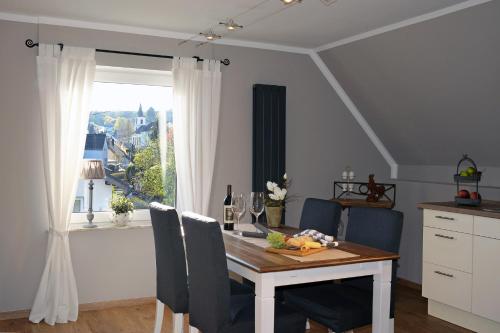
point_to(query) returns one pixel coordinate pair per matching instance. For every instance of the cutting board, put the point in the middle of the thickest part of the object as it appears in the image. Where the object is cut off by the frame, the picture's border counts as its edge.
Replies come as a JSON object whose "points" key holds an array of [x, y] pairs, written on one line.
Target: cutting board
{"points": [[296, 253]]}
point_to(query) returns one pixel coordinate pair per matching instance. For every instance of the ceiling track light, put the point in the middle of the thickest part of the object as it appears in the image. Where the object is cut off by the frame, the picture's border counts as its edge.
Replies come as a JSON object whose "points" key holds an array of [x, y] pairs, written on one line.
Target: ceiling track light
{"points": [[210, 35], [289, 2], [231, 25]]}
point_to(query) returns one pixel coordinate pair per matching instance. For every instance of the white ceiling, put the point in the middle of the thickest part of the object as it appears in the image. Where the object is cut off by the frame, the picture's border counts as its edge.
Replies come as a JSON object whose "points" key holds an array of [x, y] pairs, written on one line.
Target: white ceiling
{"points": [[309, 24]]}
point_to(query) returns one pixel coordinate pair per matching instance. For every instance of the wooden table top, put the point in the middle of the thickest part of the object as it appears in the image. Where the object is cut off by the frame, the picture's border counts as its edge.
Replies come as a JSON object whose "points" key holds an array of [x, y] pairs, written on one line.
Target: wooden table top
{"points": [[257, 259], [488, 208]]}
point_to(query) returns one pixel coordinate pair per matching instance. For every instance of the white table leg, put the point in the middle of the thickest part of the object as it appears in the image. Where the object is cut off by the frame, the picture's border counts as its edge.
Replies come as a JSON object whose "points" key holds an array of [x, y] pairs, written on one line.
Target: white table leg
{"points": [[160, 310], [193, 329], [178, 322], [264, 303], [382, 298]]}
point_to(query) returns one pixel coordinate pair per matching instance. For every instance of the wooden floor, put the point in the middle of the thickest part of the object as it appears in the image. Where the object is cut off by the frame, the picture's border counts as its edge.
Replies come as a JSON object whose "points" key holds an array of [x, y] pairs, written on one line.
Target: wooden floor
{"points": [[411, 317]]}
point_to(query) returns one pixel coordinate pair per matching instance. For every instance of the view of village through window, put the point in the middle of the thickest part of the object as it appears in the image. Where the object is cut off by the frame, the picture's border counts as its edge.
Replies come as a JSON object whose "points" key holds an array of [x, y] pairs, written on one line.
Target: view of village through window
{"points": [[124, 132]]}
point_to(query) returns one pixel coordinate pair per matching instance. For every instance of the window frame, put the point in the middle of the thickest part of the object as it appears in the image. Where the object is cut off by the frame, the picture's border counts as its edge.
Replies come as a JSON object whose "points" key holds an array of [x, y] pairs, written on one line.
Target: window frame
{"points": [[124, 75]]}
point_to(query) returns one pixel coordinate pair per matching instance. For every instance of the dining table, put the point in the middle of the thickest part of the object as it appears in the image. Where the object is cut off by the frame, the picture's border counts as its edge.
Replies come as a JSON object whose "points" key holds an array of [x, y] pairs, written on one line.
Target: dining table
{"points": [[248, 258]]}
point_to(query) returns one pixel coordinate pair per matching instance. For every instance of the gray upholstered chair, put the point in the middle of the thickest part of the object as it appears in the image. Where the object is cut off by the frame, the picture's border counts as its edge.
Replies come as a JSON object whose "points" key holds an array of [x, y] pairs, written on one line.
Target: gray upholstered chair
{"points": [[216, 303], [321, 215], [171, 277], [348, 305]]}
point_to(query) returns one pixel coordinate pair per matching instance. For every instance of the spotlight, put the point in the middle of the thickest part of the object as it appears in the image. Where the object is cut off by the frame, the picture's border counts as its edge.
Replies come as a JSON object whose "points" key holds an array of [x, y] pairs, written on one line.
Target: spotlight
{"points": [[289, 2], [231, 25], [210, 35]]}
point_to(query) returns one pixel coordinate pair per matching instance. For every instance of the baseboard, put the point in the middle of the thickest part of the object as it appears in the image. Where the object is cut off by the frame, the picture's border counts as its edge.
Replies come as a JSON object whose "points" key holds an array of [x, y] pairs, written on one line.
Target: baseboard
{"points": [[14, 314], [409, 284], [462, 318], [19, 314]]}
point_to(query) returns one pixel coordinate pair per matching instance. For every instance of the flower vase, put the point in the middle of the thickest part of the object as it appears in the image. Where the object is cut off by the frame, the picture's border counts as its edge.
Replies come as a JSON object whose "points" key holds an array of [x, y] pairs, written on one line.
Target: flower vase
{"points": [[273, 215], [121, 220]]}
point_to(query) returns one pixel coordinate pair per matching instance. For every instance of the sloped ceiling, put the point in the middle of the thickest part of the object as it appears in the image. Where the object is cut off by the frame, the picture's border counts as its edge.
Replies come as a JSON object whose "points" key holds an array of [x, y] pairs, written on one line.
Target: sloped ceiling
{"points": [[308, 24], [430, 91]]}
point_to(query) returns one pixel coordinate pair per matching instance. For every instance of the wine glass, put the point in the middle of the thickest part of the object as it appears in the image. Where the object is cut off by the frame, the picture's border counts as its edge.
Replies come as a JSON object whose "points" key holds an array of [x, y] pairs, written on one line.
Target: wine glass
{"points": [[256, 204], [238, 205]]}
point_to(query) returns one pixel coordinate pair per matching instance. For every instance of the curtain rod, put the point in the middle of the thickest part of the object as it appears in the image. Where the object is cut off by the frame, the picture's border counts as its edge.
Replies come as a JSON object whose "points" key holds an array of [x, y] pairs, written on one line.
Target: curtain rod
{"points": [[29, 43]]}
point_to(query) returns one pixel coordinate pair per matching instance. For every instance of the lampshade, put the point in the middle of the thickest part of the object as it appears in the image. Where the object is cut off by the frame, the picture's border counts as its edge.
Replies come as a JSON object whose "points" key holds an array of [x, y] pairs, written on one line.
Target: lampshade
{"points": [[93, 169]]}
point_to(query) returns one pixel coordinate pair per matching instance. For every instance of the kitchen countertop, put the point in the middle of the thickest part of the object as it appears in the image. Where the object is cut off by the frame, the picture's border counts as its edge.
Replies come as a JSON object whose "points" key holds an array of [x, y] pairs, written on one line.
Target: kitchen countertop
{"points": [[450, 206]]}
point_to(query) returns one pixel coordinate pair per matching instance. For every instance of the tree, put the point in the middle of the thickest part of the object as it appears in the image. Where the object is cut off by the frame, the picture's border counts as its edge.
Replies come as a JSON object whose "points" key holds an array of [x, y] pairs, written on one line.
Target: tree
{"points": [[123, 127], [146, 171], [109, 121], [151, 115], [152, 182]]}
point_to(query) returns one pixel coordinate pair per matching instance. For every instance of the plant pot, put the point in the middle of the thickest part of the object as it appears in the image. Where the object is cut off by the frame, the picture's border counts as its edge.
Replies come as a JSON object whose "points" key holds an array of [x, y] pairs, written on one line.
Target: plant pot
{"points": [[121, 220], [273, 215]]}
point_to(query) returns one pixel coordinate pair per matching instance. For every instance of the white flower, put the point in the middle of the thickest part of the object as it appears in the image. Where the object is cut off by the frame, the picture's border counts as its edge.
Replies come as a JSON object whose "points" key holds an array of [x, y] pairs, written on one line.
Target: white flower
{"points": [[280, 193], [285, 177], [273, 196], [270, 186]]}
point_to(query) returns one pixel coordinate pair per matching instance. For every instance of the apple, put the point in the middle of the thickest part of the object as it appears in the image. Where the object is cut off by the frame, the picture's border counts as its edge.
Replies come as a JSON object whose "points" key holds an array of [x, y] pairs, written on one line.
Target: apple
{"points": [[463, 174], [464, 194], [475, 196]]}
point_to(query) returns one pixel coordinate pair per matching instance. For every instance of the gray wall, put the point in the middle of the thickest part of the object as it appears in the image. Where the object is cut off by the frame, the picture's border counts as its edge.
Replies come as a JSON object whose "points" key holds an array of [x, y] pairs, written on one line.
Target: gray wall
{"points": [[430, 92], [322, 138]]}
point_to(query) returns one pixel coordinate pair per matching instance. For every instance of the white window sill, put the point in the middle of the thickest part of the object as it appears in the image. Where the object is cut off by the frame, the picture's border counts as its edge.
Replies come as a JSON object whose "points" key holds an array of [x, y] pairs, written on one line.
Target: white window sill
{"points": [[77, 227]]}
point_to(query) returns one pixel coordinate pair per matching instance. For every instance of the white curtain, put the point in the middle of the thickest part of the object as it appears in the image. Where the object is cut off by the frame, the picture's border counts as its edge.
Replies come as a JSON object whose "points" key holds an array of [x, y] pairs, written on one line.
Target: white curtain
{"points": [[65, 84], [196, 104]]}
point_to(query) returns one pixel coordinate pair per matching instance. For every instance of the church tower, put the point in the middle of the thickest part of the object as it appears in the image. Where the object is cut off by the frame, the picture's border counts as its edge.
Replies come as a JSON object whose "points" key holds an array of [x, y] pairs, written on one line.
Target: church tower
{"points": [[140, 120]]}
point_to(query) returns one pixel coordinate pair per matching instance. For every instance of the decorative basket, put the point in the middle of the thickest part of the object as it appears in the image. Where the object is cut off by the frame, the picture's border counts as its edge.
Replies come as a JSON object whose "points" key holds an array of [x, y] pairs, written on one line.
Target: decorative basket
{"points": [[475, 178]]}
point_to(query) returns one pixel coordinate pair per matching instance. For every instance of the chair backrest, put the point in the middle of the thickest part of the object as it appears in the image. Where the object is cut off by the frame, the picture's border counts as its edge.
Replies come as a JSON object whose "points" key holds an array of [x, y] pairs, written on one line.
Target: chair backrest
{"points": [[376, 227], [379, 228], [209, 291], [171, 277], [321, 215]]}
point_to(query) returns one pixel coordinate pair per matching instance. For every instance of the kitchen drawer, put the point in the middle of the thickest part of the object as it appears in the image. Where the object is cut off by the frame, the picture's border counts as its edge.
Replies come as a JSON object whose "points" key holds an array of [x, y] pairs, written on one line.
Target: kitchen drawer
{"points": [[447, 286], [448, 248], [487, 227], [449, 221]]}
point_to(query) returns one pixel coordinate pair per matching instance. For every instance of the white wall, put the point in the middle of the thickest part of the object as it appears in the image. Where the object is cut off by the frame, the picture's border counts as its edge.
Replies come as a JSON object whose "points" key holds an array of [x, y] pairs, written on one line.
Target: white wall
{"points": [[322, 138]]}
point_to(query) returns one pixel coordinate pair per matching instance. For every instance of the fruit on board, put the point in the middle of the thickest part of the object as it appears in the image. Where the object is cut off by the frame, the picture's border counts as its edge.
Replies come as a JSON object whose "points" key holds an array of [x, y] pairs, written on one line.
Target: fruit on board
{"points": [[475, 196], [463, 173], [464, 194], [471, 171]]}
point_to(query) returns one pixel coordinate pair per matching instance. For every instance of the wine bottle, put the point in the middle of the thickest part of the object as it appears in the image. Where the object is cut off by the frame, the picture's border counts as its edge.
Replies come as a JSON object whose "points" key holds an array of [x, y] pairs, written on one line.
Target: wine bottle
{"points": [[228, 211]]}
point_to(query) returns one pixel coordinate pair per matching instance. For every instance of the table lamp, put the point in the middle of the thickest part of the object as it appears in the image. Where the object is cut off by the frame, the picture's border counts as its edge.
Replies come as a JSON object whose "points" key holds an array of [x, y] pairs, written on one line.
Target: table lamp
{"points": [[92, 169]]}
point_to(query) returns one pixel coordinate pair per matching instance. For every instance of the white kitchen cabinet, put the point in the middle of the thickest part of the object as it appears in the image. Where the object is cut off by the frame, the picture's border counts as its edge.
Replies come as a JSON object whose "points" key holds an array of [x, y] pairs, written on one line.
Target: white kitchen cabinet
{"points": [[486, 284], [461, 266]]}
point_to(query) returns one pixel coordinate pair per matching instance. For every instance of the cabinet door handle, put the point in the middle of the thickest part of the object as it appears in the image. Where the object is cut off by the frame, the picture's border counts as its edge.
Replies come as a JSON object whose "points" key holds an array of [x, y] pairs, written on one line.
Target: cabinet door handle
{"points": [[444, 274], [444, 236], [445, 218]]}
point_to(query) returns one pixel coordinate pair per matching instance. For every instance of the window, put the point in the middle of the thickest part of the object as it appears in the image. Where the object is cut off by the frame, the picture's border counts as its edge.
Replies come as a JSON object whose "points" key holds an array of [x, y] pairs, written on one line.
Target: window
{"points": [[130, 115]]}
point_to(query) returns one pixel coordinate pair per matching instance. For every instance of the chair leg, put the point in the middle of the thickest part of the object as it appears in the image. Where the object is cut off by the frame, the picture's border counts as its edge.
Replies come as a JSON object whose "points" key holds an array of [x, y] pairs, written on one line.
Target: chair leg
{"points": [[193, 329], [308, 324], [178, 322], [160, 310]]}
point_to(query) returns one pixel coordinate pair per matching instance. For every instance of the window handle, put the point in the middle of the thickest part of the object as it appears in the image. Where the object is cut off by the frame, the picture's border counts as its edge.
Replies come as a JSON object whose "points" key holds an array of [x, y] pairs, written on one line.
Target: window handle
{"points": [[444, 236], [444, 274], [445, 218]]}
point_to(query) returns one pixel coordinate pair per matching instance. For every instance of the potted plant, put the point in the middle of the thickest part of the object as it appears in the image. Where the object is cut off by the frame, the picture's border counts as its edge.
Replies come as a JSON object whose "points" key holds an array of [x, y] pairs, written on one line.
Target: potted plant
{"points": [[122, 207], [275, 201]]}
